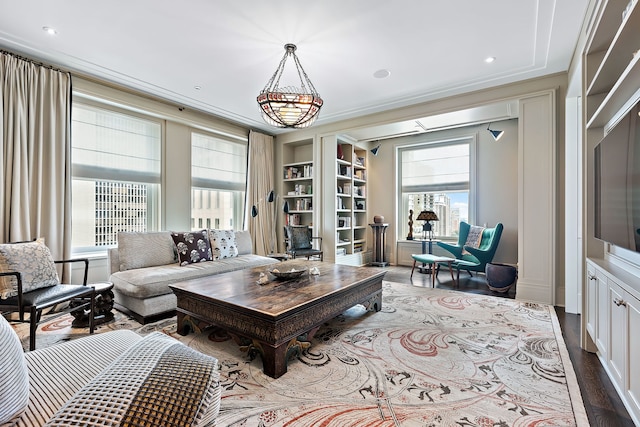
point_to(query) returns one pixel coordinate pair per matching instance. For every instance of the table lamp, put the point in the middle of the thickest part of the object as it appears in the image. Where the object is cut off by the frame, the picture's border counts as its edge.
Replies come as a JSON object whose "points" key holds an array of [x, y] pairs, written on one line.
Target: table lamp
{"points": [[427, 217]]}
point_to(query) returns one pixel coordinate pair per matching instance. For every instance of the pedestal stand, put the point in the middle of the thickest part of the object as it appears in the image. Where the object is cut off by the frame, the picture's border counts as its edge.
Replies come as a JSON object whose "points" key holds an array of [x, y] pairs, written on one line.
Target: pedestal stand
{"points": [[379, 230]]}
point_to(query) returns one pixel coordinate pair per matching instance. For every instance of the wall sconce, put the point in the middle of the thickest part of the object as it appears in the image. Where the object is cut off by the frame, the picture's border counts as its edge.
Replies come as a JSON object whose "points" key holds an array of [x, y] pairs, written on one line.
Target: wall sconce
{"points": [[497, 134], [427, 217], [375, 150]]}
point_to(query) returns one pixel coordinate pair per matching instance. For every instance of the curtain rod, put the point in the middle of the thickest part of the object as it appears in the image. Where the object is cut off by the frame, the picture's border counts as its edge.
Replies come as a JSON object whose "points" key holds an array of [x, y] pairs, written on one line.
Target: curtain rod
{"points": [[34, 62]]}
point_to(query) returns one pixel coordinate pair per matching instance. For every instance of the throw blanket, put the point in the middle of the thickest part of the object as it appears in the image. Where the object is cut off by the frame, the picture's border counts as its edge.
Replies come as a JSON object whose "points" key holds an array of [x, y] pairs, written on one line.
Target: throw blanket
{"points": [[158, 381], [473, 238]]}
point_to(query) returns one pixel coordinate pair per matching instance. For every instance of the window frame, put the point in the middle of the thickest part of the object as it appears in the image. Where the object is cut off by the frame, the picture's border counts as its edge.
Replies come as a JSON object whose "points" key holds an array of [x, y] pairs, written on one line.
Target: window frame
{"points": [[94, 174], [434, 141], [201, 184]]}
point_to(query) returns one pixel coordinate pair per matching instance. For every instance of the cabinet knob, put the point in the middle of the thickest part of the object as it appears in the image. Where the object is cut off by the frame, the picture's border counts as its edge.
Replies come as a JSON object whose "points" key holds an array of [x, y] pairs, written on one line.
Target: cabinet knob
{"points": [[619, 302], [591, 276]]}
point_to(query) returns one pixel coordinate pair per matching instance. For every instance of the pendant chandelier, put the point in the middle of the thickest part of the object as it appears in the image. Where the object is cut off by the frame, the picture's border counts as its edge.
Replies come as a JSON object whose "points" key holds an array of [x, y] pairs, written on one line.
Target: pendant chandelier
{"points": [[289, 106]]}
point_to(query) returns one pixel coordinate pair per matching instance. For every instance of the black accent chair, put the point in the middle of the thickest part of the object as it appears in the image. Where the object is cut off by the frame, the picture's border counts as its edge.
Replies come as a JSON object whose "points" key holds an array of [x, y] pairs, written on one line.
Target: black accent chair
{"points": [[35, 301], [299, 242]]}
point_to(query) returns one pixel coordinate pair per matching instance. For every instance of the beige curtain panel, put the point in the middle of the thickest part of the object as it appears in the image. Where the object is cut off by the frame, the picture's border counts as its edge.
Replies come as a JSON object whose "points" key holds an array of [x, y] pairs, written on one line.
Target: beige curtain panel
{"points": [[261, 213], [35, 159]]}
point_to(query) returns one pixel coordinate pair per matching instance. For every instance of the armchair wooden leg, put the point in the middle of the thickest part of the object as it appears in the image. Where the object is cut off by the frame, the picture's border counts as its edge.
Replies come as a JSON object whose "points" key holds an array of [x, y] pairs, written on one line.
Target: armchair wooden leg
{"points": [[33, 326], [92, 312]]}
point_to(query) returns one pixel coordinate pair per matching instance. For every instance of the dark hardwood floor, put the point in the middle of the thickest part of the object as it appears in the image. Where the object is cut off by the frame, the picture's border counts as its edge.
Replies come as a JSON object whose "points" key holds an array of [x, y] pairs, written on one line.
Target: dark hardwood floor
{"points": [[601, 401]]}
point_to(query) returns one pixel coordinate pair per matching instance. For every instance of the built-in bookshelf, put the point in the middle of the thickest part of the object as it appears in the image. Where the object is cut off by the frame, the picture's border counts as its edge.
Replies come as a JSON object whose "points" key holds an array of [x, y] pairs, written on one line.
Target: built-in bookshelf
{"points": [[298, 183], [351, 204], [611, 306]]}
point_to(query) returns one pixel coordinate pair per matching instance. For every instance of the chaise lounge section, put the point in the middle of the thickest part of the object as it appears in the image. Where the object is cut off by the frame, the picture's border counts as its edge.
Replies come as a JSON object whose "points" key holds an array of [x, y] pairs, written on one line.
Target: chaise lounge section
{"points": [[145, 264]]}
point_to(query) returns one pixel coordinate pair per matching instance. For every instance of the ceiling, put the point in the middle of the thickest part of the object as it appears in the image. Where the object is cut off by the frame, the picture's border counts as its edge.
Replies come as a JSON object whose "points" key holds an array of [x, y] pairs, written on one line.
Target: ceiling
{"points": [[217, 55]]}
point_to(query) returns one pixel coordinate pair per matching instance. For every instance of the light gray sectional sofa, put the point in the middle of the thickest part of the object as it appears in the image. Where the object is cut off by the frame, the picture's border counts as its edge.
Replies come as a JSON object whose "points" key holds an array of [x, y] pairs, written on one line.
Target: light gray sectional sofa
{"points": [[145, 264]]}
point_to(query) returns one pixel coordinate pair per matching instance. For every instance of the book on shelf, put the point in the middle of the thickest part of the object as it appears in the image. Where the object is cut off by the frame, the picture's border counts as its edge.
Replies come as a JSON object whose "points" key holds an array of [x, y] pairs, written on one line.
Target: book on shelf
{"points": [[303, 204], [344, 170], [359, 161], [305, 171], [360, 174], [346, 188], [293, 219]]}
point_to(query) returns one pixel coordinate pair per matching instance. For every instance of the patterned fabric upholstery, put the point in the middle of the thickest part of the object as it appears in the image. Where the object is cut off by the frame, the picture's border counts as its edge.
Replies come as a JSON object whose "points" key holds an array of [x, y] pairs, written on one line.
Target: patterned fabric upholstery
{"points": [[14, 376], [192, 246], [35, 263], [299, 236], [138, 250], [157, 381], [223, 243]]}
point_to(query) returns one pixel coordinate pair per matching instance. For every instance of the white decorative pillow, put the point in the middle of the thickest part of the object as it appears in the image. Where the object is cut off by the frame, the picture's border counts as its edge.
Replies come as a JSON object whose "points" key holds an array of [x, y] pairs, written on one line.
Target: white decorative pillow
{"points": [[14, 375], [147, 249], [33, 261], [223, 243]]}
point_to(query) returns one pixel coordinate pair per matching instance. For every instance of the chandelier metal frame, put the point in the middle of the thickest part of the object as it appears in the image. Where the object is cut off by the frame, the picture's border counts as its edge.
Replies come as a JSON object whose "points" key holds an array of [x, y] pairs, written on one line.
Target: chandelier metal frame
{"points": [[289, 106]]}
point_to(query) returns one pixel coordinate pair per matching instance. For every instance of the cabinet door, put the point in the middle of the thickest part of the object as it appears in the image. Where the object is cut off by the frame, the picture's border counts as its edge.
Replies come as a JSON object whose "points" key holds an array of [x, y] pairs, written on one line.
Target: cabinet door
{"points": [[618, 330], [592, 302], [602, 326], [633, 355]]}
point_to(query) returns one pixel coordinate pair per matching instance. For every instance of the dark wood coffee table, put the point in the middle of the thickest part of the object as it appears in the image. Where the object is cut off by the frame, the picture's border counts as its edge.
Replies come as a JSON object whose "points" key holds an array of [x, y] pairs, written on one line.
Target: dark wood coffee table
{"points": [[277, 319]]}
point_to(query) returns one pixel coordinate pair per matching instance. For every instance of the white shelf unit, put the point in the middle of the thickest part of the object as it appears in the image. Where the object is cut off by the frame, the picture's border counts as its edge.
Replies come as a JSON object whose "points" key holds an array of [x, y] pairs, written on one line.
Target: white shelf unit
{"points": [[611, 298], [298, 186]]}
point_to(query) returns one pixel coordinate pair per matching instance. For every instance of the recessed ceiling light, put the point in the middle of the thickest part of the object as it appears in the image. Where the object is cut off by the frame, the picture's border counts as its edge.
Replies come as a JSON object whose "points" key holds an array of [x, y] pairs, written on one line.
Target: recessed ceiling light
{"points": [[382, 74], [490, 59], [50, 30], [196, 87]]}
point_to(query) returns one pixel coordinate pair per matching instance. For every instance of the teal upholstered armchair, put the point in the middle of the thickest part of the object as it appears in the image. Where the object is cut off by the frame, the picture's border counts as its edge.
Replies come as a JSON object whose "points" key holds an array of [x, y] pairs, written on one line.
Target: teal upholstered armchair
{"points": [[472, 258]]}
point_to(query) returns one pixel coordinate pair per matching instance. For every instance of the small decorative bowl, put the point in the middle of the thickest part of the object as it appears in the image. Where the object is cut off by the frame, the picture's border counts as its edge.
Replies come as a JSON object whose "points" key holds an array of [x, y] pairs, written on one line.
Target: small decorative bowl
{"points": [[287, 275]]}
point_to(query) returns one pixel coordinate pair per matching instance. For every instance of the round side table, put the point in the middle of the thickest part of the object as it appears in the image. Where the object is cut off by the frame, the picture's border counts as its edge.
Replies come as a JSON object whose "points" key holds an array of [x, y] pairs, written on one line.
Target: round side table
{"points": [[103, 306]]}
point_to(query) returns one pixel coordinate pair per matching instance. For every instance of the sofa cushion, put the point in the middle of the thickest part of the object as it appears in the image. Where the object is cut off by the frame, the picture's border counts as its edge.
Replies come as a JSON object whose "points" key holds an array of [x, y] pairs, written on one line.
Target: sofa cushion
{"points": [[223, 243], [154, 281], [192, 246], [14, 375], [33, 261], [244, 242], [157, 381], [148, 249]]}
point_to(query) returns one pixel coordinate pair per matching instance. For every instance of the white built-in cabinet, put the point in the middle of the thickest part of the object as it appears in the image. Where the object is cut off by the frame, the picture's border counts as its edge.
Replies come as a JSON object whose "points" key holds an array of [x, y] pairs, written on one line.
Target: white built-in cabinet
{"points": [[613, 322], [611, 301]]}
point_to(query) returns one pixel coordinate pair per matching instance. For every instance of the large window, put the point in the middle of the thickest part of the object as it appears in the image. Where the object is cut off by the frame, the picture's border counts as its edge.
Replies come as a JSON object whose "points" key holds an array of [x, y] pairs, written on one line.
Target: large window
{"points": [[435, 176], [218, 182], [116, 169]]}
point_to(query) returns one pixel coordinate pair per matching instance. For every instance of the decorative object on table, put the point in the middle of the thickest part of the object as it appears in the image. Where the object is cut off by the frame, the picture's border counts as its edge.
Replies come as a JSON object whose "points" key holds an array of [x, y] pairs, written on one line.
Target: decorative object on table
{"points": [[289, 106], [378, 219], [501, 277], [103, 307], [410, 235], [314, 271], [427, 227], [497, 134], [288, 274], [263, 279]]}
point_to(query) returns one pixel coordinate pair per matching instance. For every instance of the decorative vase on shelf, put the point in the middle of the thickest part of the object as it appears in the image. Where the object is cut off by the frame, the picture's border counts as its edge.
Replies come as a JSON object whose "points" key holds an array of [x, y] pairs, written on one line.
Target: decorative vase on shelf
{"points": [[378, 219]]}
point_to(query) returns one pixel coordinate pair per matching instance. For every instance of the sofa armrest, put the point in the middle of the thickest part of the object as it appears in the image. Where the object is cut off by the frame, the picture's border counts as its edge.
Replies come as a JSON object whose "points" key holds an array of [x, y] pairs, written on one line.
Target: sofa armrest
{"points": [[114, 260]]}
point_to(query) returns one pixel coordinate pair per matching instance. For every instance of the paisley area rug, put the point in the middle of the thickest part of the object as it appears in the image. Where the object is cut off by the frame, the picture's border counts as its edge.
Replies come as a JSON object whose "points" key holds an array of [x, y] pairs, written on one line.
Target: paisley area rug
{"points": [[430, 358]]}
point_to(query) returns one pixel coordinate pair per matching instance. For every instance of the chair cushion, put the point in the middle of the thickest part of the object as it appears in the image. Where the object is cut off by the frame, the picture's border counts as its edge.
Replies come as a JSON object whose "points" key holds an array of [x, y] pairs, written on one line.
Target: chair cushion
{"points": [[299, 237], [145, 249], [14, 375], [33, 261], [192, 246], [157, 381], [223, 243]]}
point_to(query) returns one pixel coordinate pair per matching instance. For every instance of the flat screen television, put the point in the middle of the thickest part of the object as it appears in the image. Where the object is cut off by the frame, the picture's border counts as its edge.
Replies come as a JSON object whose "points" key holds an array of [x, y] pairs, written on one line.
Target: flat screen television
{"points": [[617, 183]]}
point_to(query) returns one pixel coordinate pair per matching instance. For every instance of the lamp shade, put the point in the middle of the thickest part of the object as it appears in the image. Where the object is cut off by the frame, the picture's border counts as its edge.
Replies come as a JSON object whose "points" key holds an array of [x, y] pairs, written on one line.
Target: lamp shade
{"points": [[289, 106], [427, 216], [497, 134]]}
